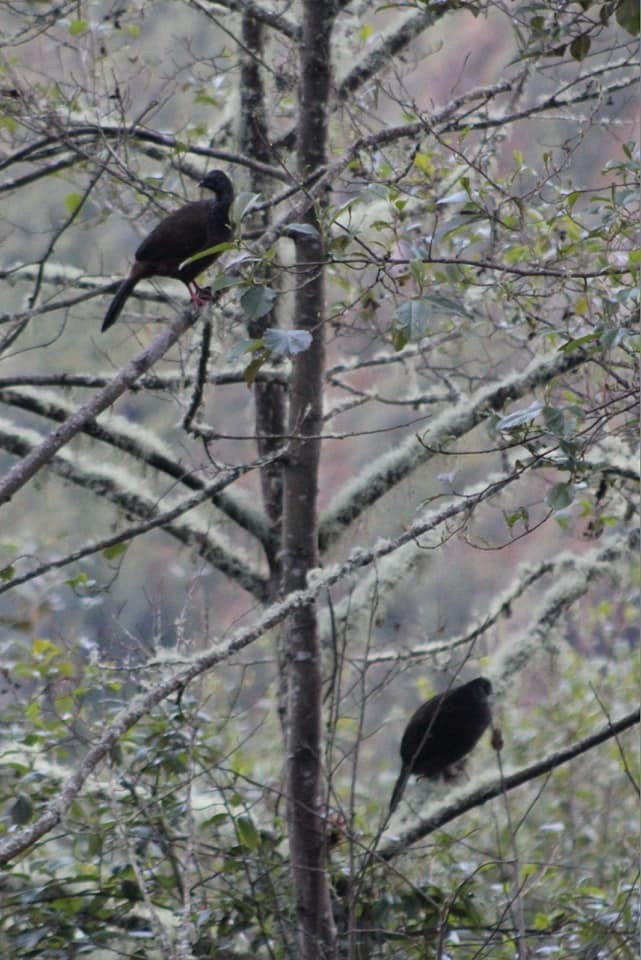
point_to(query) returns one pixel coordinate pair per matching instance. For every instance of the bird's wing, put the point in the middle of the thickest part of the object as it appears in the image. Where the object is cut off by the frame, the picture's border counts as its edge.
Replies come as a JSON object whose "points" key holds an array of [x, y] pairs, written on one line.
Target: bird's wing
{"points": [[180, 235]]}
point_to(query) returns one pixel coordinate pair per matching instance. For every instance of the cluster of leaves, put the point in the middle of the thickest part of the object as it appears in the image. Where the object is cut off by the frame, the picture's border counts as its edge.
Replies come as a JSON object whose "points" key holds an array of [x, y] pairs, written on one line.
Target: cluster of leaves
{"points": [[552, 34], [164, 836], [170, 839]]}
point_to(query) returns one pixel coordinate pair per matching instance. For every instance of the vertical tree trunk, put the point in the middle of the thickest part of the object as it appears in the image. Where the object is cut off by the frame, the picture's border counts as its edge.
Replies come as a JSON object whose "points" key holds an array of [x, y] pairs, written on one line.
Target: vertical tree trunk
{"points": [[305, 782], [269, 398]]}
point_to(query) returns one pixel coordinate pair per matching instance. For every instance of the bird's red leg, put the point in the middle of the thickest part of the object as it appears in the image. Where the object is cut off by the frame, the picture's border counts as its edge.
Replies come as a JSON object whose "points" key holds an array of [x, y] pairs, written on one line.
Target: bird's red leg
{"points": [[199, 295]]}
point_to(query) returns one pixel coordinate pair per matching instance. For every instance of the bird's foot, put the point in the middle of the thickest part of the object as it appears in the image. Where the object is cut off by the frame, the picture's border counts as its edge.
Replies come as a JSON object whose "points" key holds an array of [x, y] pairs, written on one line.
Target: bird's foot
{"points": [[454, 771], [200, 295]]}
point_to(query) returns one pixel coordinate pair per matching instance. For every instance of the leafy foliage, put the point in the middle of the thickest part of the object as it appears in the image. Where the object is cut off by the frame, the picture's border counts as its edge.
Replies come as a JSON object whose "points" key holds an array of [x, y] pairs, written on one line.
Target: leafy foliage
{"points": [[478, 256]]}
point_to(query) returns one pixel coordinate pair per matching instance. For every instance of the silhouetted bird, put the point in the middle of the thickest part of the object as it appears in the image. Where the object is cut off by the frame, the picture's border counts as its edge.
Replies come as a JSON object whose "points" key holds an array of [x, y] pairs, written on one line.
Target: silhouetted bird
{"points": [[442, 731], [187, 231]]}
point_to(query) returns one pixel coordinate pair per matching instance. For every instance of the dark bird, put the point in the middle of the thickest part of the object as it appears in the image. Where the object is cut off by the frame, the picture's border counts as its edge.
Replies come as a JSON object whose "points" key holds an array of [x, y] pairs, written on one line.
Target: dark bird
{"points": [[194, 227], [443, 731]]}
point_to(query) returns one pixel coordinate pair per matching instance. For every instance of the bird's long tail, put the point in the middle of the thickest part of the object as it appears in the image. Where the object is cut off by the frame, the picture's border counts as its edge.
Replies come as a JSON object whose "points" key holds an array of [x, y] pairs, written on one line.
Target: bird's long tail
{"points": [[118, 302], [399, 787]]}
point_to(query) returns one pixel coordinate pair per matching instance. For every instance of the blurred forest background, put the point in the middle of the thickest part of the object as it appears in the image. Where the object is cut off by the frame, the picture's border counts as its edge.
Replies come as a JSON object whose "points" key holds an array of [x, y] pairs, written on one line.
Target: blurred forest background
{"points": [[473, 215]]}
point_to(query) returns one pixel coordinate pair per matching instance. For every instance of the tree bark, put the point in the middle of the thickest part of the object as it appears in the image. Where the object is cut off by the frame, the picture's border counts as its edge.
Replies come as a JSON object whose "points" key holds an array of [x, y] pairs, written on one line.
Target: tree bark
{"points": [[305, 783], [269, 397]]}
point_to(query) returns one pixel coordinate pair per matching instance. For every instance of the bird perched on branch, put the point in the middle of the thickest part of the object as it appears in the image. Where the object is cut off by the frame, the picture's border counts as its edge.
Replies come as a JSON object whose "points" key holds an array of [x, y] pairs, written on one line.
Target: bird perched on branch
{"points": [[195, 227], [443, 731]]}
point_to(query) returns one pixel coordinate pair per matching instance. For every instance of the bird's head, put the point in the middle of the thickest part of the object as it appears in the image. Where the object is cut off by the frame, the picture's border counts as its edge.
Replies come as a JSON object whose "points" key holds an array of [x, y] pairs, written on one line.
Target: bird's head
{"points": [[220, 184], [481, 686]]}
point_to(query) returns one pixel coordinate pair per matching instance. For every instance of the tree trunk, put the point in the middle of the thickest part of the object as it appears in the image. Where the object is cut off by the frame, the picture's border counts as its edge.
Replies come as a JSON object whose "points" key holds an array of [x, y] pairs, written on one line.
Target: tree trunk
{"points": [[305, 784], [269, 397]]}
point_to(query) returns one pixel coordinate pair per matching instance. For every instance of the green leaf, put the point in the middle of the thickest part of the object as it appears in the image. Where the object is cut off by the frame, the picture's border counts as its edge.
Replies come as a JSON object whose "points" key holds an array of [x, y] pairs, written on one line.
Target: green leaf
{"points": [[257, 301], [242, 205], [612, 337], [517, 254], [202, 97], [117, 550], [21, 810], [446, 305], [580, 47], [8, 123], [461, 196], [287, 342], [8, 572], [418, 270], [560, 496], [73, 201], [247, 834], [572, 198], [81, 579], [249, 374], [244, 346], [306, 228], [32, 712], [520, 515], [554, 419], [41, 647], [216, 249], [339, 244], [223, 281], [412, 317], [627, 16], [64, 705], [95, 845], [76, 27], [578, 342], [424, 163], [399, 338], [520, 417]]}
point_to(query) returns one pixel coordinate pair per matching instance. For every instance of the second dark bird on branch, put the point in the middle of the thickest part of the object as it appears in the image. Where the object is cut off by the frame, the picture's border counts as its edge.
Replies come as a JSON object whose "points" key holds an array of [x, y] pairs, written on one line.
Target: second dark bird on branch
{"points": [[443, 731], [187, 231]]}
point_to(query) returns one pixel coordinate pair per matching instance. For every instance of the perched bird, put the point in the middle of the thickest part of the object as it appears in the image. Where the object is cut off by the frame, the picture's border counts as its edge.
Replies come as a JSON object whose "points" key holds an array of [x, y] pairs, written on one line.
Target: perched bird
{"points": [[194, 227], [443, 731]]}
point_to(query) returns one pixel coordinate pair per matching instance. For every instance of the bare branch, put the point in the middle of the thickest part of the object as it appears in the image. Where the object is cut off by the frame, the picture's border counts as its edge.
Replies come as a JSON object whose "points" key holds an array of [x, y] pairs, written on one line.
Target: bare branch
{"points": [[387, 47], [210, 491], [383, 473], [113, 484], [263, 15], [125, 436], [84, 132], [22, 472], [152, 381]]}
